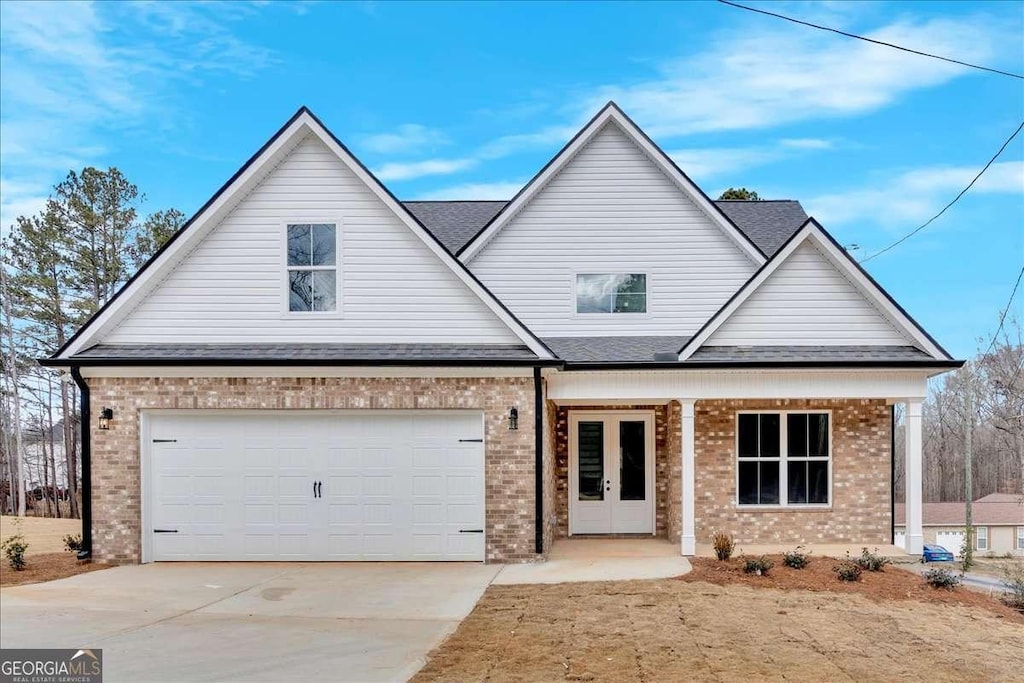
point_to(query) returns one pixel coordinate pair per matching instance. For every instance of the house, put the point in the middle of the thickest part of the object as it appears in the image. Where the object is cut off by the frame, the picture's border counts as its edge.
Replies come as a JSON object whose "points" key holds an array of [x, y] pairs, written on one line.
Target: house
{"points": [[314, 370], [998, 521]]}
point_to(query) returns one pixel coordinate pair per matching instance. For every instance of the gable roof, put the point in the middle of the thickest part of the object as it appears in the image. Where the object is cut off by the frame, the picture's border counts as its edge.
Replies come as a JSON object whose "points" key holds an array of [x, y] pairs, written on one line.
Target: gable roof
{"points": [[301, 124], [611, 114], [767, 223], [848, 267]]}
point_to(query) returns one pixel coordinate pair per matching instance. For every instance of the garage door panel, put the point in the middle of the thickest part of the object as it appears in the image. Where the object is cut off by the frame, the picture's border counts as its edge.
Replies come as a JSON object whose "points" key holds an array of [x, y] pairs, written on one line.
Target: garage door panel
{"points": [[394, 486]]}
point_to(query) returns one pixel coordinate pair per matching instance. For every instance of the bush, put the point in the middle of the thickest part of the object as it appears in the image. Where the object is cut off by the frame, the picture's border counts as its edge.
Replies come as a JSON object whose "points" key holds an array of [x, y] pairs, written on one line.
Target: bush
{"points": [[73, 543], [723, 545], [1013, 586], [848, 571], [940, 577], [796, 559], [759, 566], [871, 561], [14, 548]]}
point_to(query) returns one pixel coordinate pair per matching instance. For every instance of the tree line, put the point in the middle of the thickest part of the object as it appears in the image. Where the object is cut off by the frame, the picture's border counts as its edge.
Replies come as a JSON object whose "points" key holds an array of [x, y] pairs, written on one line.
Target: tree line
{"points": [[57, 267]]}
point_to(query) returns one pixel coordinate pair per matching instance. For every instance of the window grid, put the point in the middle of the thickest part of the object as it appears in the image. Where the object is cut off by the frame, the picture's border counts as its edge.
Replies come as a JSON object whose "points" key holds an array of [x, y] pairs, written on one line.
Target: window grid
{"points": [[981, 537], [783, 458], [1020, 538]]}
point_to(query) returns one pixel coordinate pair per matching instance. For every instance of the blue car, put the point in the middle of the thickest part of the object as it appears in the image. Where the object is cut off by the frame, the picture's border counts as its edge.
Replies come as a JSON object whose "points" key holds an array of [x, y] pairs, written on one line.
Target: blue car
{"points": [[936, 553]]}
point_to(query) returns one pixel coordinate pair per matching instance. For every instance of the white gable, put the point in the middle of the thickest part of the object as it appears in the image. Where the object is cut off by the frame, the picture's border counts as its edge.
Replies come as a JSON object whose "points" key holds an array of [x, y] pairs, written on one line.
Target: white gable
{"points": [[612, 209], [807, 301], [228, 288]]}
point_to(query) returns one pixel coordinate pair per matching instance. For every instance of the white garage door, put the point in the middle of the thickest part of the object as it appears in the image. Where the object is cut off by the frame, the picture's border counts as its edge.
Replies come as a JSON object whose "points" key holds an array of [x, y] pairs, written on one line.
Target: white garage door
{"points": [[953, 541], [283, 485]]}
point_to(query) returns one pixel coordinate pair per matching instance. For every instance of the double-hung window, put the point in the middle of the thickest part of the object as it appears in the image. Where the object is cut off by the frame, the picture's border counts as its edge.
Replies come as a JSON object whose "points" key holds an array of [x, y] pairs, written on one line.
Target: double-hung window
{"points": [[312, 267], [981, 537], [611, 293], [1020, 538], [783, 458]]}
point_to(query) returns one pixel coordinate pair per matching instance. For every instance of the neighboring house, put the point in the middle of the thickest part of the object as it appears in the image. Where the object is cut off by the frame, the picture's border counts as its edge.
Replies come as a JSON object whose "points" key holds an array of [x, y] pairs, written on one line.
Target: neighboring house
{"points": [[998, 520], [314, 370]]}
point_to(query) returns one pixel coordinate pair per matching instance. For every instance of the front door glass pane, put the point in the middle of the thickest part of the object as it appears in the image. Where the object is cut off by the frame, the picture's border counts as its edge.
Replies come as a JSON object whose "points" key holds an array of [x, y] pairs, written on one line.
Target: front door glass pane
{"points": [[591, 460], [632, 461]]}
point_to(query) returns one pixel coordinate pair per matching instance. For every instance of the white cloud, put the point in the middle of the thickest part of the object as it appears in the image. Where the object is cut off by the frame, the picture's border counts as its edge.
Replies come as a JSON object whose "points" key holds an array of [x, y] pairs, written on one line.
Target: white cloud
{"points": [[420, 169], [806, 143], [709, 162], [75, 74], [408, 137], [481, 191], [913, 196], [759, 78]]}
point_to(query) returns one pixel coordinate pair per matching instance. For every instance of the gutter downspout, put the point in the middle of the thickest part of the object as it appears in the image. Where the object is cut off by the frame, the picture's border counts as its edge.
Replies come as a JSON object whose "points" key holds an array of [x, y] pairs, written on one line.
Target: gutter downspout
{"points": [[892, 475], [538, 466], [86, 457]]}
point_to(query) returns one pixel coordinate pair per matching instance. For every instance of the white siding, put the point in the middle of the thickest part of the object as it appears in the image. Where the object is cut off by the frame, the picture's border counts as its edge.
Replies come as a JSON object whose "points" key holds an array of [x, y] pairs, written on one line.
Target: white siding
{"points": [[229, 288], [807, 302], [612, 210]]}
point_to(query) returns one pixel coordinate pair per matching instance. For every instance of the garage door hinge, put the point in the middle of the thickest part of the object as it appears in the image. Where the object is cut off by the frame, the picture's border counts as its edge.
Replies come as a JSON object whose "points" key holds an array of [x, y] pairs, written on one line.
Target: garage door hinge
{"points": [[471, 531], [165, 531], [165, 441], [471, 440]]}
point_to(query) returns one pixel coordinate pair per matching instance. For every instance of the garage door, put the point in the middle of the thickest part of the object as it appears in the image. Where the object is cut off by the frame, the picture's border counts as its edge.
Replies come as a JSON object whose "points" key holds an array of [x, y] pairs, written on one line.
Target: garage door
{"points": [[952, 541], [397, 485]]}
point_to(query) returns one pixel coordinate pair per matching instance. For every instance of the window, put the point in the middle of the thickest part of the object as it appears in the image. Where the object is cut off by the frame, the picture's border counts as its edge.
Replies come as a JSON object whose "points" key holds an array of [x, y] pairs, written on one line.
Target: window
{"points": [[312, 267], [782, 458], [981, 537], [1020, 538], [612, 293]]}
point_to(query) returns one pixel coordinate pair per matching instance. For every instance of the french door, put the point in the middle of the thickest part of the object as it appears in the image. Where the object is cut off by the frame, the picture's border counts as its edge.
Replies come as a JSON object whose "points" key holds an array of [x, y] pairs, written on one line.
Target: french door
{"points": [[611, 472]]}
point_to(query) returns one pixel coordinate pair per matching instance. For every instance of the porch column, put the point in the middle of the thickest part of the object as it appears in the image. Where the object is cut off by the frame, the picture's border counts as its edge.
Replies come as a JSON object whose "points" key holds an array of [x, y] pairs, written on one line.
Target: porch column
{"points": [[914, 479], [688, 537]]}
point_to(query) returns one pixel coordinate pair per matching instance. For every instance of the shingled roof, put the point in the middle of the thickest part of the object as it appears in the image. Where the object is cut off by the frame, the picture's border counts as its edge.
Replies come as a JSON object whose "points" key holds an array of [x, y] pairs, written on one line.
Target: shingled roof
{"points": [[768, 224]]}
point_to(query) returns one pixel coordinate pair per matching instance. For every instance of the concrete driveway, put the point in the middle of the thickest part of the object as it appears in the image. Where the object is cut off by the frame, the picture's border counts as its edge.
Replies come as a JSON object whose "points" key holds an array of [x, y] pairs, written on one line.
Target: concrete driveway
{"points": [[249, 621]]}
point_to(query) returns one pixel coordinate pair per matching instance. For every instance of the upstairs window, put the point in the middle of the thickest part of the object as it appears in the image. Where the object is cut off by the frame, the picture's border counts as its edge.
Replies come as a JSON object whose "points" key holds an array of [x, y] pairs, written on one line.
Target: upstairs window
{"points": [[312, 267], [611, 293], [783, 458]]}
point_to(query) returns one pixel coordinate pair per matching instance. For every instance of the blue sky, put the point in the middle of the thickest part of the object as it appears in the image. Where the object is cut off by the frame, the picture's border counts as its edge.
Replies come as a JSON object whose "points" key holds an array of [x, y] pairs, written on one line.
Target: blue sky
{"points": [[469, 101]]}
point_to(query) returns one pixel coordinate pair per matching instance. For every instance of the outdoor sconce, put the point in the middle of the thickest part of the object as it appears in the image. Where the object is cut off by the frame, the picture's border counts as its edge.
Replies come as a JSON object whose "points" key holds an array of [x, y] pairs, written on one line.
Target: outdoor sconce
{"points": [[106, 415], [513, 419]]}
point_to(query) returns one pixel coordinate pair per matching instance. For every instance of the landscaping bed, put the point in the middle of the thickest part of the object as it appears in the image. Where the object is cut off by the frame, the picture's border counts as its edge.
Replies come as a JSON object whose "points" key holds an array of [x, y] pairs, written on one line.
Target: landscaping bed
{"points": [[45, 567]]}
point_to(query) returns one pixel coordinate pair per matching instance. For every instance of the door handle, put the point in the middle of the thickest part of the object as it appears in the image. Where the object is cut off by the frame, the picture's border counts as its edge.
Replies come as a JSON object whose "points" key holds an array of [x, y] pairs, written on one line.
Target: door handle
{"points": [[319, 489]]}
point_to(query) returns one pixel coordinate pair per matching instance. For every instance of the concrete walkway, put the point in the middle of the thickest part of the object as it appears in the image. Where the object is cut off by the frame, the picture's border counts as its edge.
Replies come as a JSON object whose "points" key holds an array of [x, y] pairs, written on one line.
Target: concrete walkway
{"points": [[606, 559], [249, 621]]}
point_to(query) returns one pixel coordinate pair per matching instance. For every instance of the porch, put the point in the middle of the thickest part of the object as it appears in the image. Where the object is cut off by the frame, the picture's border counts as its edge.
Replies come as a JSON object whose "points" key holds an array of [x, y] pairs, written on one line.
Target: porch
{"points": [[572, 560], [693, 476]]}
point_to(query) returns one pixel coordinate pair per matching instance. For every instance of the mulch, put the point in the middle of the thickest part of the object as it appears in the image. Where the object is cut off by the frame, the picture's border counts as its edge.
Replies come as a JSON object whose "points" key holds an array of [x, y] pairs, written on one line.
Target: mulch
{"points": [[892, 583], [45, 567]]}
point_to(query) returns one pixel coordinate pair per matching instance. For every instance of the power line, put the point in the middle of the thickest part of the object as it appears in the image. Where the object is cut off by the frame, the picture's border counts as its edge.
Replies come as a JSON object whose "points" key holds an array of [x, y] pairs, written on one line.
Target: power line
{"points": [[1002, 316], [871, 40], [947, 206]]}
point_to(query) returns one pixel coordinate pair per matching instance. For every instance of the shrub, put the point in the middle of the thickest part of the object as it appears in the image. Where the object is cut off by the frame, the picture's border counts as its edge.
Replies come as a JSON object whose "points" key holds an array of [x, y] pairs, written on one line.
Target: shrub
{"points": [[796, 559], [759, 566], [14, 548], [871, 561], [940, 577], [73, 543], [723, 545], [1013, 586], [848, 570]]}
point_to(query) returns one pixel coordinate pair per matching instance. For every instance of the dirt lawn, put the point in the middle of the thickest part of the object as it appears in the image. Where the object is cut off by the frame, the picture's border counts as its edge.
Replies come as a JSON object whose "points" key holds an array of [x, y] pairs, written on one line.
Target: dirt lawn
{"points": [[45, 559], [887, 629]]}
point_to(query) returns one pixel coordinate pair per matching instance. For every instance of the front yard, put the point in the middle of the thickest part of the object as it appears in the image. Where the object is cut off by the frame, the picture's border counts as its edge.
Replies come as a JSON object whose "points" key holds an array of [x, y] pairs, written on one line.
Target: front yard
{"points": [[718, 624]]}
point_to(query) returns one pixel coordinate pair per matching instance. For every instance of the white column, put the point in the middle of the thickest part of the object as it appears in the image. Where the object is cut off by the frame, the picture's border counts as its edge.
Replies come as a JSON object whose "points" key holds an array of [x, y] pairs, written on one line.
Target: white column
{"points": [[914, 479], [689, 538]]}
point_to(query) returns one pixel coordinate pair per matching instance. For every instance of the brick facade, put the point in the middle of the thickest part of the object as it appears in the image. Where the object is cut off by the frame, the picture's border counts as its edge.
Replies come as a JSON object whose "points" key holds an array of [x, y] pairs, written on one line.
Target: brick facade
{"points": [[861, 474], [861, 471], [509, 468]]}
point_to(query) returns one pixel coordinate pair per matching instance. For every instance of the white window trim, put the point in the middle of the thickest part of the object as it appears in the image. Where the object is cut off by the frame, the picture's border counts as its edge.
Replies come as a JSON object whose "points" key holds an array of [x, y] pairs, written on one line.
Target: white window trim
{"points": [[1019, 538], [978, 536], [284, 268], [628, 316], [783, 504]]}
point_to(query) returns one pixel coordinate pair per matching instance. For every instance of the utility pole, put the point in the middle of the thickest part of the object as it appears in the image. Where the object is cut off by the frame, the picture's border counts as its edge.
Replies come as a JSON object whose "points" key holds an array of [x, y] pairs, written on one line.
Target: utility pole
{"points": [[15, 393], [968, 462]]}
